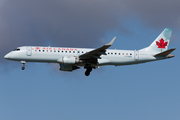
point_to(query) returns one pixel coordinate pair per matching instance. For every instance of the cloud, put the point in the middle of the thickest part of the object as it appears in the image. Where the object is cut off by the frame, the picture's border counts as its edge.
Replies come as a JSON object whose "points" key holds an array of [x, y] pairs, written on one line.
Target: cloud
{"points": [[157, 13], [75, 23]]}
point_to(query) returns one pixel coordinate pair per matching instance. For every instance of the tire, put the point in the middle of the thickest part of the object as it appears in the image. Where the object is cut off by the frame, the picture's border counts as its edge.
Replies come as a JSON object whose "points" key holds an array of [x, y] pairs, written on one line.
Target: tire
{"points": [[87, 73], [23, 68]]}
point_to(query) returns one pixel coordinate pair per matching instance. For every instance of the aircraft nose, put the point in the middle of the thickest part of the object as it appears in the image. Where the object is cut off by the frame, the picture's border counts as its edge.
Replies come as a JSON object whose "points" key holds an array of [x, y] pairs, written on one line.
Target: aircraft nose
{"points": [[7, 56]]}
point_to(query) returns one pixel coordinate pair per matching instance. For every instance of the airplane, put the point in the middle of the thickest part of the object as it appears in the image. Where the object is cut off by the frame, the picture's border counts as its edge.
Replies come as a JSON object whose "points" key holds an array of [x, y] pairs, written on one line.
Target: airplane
{"points": [[70, 59]]}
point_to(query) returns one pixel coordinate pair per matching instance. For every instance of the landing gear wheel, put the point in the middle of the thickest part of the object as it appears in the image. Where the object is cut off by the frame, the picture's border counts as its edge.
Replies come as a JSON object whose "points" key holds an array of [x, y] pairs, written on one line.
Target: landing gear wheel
{"points": [[23, 68], [87, 73], [23, 63], [89, 69]]}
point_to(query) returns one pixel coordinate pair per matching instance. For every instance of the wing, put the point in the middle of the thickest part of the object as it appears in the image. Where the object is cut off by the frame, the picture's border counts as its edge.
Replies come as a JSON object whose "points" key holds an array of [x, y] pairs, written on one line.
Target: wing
{"points": [[96, 53]]}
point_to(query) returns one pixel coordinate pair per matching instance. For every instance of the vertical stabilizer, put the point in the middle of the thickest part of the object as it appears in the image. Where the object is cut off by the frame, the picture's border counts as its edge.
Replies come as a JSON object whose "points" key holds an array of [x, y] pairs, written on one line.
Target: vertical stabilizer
{"points": [[161, 43]]}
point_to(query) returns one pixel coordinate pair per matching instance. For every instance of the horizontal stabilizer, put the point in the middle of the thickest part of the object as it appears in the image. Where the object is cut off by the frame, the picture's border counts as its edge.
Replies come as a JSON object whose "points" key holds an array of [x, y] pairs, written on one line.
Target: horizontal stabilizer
{"points": [[165, 53]]}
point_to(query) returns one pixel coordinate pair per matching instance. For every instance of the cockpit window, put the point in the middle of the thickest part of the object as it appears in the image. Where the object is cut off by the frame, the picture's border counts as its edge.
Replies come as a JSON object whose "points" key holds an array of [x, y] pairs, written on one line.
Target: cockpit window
{"points": [[17, 49]]}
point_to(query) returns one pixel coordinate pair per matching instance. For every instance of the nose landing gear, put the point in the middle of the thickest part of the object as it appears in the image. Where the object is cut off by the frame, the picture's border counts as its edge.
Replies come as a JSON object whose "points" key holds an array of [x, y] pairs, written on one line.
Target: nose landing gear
{"points": [[23, 67]]}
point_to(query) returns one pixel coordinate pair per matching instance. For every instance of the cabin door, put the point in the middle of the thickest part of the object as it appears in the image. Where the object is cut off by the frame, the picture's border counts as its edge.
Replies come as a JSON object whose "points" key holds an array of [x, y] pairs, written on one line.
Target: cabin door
{"points": [[136, 55], [29, 51]]}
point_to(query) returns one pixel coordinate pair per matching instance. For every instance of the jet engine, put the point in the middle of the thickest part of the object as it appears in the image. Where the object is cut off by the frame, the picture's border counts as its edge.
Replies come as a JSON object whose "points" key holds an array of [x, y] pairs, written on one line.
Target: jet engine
{"points": [[63, 67], [70, 60]]}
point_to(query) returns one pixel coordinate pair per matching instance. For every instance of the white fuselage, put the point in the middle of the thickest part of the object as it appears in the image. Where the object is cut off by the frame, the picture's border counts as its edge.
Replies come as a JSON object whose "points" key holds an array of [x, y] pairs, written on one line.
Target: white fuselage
{"points": [[55, 55]]}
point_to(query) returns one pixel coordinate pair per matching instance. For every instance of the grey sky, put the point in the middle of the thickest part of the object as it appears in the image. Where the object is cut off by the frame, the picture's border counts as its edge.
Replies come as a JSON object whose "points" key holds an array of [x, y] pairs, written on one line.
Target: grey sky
{"points": [[76, 23]]}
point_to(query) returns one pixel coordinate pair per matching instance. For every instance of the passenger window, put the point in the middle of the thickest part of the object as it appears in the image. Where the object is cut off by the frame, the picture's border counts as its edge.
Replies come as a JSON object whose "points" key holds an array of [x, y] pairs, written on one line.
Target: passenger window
{"points": [[54, 51], [46, 50], [119, 53], [115, 53], [58, 51], [50, 50], [43, 50], [130, 53], [62, 51], [66, 51], [111, 53], [123, 54], [69, 51], [39, 50], [73, 51], [126, 53]]}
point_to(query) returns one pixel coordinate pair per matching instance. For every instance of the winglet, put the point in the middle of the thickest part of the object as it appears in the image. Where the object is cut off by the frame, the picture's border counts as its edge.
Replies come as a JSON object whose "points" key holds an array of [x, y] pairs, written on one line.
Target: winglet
{"points": [[111, 42]]}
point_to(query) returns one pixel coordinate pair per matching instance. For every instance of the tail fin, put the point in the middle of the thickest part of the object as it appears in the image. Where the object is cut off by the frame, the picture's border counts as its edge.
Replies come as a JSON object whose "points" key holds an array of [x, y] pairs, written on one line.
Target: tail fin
{"points": [[161, 43]]}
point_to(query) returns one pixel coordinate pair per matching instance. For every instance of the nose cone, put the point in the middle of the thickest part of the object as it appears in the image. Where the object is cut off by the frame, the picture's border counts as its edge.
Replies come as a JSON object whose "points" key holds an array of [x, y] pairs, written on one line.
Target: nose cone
{"points": [[7, 56]]}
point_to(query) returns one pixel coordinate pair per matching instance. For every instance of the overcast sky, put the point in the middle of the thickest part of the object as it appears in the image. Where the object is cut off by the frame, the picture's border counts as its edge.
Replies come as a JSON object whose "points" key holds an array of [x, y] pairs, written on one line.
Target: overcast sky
{"points": [[78, 23], [143, 92]]}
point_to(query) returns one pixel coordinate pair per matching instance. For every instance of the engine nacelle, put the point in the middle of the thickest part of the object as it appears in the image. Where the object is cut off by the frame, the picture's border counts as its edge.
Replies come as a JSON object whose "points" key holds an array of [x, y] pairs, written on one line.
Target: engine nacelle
{"points": [[70, 60], [63, 67]]}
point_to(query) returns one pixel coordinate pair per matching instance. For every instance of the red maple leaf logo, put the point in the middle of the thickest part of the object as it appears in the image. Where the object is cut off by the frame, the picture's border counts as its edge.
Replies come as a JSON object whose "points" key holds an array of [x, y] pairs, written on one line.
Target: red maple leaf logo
{"points": [[161, 44]]}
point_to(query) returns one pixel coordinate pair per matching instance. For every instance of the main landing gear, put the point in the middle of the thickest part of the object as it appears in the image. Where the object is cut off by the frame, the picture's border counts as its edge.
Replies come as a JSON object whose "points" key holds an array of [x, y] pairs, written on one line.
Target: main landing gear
{"points": [[88, 70], [23, 63]]}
